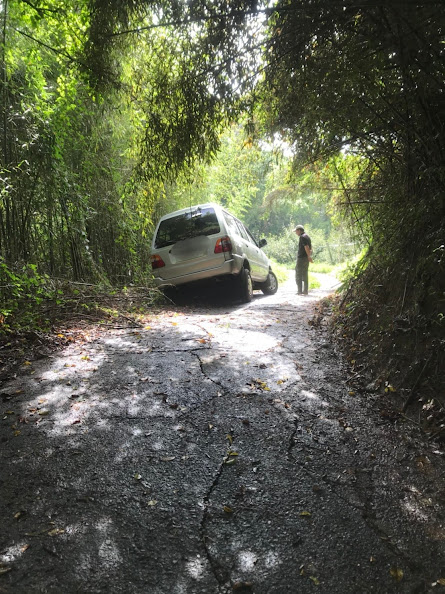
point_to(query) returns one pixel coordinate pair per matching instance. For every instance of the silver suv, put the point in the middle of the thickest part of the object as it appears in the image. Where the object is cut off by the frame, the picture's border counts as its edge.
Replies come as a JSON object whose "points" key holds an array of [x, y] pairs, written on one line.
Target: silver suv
{"points": [[207, 243]]}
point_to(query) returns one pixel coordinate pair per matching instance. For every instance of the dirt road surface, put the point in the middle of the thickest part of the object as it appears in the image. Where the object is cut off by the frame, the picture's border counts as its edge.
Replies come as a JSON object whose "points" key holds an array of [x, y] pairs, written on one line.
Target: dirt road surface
{"points": [[215, 449]]}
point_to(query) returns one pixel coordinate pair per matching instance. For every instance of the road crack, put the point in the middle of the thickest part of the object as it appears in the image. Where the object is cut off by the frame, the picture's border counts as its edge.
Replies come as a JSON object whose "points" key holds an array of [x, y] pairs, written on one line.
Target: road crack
{"points": [[220, 573]]}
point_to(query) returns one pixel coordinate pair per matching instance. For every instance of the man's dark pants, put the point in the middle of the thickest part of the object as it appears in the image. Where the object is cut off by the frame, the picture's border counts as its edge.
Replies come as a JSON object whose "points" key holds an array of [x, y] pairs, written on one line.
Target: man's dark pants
{"points": [[302, 275]]}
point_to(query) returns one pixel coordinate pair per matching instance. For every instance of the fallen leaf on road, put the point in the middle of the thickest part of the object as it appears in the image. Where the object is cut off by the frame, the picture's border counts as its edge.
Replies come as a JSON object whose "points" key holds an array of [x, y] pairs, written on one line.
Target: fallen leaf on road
{"points": [[4, 569], [315, 580], [305, 514], [137, 476], [261, 385], [242, 585], [230, 461], [230, 438], [56, 531], [228, 509], [168, 458], [39, 533], [396, 573], [152, 502]]}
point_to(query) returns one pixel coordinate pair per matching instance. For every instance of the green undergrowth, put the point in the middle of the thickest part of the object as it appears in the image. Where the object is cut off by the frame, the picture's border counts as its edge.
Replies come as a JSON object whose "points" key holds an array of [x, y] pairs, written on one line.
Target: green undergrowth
{"points": [[31, 302]]}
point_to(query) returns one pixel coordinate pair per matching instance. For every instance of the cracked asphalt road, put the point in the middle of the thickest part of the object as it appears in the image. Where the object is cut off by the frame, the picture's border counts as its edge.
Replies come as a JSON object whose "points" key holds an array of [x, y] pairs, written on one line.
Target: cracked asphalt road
{"points": [[216, 449]]}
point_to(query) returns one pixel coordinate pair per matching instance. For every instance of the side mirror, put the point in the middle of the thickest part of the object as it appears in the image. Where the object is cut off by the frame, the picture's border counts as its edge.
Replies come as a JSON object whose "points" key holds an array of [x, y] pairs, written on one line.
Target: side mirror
{"points": [[262, 243]]}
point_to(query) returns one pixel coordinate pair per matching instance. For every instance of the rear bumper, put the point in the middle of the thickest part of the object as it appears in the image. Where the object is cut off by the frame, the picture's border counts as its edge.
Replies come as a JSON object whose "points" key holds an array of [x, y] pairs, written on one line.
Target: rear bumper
{"points": [[227, 268]]}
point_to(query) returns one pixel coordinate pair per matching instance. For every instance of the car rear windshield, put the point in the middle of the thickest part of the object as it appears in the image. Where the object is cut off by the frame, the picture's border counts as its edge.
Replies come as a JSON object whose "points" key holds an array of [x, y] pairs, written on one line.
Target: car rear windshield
{"points": [[198, 221]]}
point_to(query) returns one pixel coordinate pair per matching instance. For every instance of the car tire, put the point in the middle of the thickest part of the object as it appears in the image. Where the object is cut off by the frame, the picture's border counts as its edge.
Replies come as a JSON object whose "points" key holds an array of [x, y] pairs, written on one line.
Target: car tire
{"points": [[270, 287], [245, 286]]}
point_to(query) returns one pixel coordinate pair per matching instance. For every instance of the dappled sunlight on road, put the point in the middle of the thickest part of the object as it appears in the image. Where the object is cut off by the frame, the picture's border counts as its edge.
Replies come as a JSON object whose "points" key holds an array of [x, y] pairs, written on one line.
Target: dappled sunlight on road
{"points": [[208, 446]]}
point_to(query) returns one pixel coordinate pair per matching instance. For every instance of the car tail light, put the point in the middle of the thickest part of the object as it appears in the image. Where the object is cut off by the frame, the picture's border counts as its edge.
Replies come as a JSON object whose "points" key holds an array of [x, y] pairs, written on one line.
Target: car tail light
{"points": [[156, 261], [223, 245]]}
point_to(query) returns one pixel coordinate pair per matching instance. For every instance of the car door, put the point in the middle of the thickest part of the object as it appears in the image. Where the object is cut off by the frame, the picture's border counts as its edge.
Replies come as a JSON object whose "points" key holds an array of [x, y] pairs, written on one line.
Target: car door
{"points": [[261, 260], [253, 253]]}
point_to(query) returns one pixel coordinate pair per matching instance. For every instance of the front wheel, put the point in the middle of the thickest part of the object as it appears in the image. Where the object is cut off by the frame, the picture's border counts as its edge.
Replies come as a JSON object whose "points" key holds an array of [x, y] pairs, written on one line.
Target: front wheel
{"points": [[245, 286], [270, 286]]}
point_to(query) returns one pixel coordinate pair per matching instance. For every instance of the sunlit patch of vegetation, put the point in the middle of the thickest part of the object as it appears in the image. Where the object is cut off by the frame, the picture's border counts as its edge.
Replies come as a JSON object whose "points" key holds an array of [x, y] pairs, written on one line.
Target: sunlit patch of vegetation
{"points": [[314, 283], [281, 271]]}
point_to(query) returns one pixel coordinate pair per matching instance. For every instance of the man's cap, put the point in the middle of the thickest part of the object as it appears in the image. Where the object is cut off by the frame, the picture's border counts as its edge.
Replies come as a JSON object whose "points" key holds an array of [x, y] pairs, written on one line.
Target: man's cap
{"points": [[300, 227]]}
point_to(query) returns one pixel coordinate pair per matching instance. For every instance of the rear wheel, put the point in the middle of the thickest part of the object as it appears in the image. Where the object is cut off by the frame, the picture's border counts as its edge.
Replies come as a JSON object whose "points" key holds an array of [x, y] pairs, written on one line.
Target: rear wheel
{"points": [[245, 286], [270, 286]]}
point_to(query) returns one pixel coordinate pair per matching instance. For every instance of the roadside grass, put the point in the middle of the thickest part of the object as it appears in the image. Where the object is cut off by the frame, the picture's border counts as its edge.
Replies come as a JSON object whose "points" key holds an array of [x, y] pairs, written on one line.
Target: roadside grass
{"points": [[281, 271], [323, 268], [314, 283]]}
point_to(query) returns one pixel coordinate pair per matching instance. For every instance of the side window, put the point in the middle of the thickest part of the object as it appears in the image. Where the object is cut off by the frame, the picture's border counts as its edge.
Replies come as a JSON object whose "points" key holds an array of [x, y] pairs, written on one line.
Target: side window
{"points": [[252, 238], [231, 223], [242, 230]]}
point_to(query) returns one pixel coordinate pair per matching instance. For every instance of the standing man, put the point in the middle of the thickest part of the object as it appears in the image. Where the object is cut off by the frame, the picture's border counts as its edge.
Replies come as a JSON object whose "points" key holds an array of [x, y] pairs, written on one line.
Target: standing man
{"points": [[304, 256]]}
